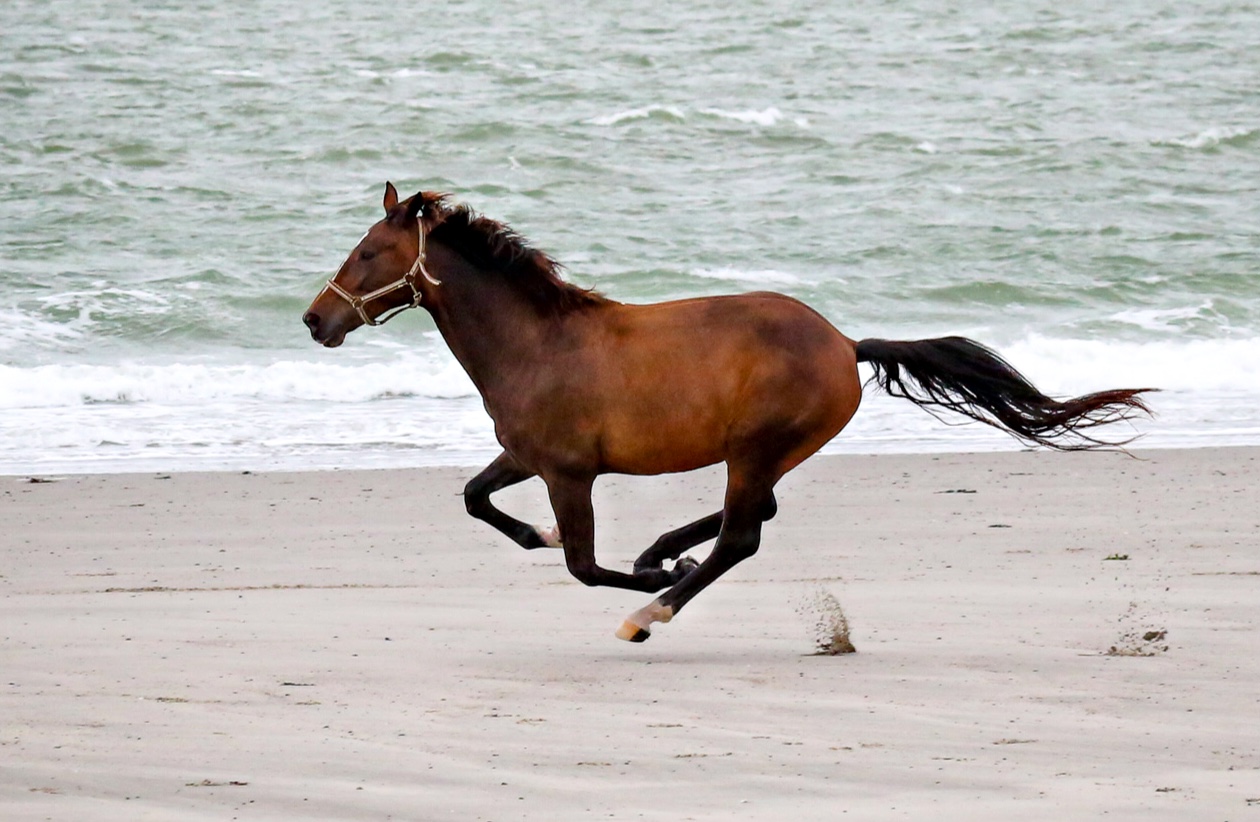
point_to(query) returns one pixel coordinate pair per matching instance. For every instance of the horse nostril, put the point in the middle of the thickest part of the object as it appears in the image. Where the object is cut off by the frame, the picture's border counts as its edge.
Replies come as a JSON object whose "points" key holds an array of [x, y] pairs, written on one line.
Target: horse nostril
{"points": [[311, 319]]}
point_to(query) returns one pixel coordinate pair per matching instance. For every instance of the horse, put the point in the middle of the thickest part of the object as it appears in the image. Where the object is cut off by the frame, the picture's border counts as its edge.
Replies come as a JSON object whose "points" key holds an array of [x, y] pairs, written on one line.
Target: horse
{"points": [[580, 385]]}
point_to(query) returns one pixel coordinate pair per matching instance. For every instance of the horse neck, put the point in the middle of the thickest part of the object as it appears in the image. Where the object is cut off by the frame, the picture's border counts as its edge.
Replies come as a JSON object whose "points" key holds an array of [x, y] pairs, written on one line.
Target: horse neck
{"points": [[490, 327]]}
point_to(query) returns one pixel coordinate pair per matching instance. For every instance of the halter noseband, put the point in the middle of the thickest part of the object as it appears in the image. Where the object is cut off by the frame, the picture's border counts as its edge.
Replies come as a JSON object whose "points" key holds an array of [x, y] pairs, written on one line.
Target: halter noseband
{"points": [[407, 280]]}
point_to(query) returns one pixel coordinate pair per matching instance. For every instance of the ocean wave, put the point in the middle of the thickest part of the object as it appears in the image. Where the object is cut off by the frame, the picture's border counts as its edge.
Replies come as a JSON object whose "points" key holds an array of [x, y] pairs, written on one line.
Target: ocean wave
{"points": [[22, 330], [184, 384], [1057, 365], [422, 410], [659, 112], [1067, 366], [251, 73], [73, 320], [246, 434], [758, 276], [401, 73], [1165, 319], [764, 117], [1214, 137]]}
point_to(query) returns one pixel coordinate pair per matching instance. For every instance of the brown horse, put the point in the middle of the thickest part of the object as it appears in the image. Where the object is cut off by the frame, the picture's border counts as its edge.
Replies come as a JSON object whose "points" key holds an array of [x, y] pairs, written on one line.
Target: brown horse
{"points": [[579, 385]]}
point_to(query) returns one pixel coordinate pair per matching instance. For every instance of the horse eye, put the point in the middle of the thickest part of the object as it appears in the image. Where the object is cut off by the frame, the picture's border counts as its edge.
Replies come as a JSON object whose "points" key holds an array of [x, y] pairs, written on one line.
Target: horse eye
{"points": [[366, 254]]}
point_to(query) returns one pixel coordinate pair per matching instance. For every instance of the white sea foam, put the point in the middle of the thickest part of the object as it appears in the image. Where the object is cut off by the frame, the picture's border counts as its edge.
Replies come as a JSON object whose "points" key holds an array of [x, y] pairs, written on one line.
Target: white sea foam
{"points": [[1058, 365], [191, 384], [765, 117], [251, 73], [755, 276], [643, 113], [23, 329], [286, 414], [1072, 366], [1208, 392], [246, 434], [1156, 319], [1209, 138], [407, 408]]}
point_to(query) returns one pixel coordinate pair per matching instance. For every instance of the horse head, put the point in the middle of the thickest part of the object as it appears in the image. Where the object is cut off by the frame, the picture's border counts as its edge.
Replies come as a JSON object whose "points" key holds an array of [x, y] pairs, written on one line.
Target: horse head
{"points": [[384, 274]]}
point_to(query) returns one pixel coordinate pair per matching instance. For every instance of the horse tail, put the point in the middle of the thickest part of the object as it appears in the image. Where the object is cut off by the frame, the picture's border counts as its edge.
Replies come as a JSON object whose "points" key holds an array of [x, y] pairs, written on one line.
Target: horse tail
{"points": [[961, 375]]}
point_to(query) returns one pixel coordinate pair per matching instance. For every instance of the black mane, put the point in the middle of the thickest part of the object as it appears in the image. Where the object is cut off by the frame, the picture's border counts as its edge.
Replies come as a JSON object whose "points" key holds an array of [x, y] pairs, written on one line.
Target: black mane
{"points": [[493, 246]]}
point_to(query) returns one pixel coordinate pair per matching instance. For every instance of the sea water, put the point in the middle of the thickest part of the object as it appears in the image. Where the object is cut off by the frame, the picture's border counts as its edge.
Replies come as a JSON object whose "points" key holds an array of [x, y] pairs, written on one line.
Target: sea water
{"points": [[1076, 185]]}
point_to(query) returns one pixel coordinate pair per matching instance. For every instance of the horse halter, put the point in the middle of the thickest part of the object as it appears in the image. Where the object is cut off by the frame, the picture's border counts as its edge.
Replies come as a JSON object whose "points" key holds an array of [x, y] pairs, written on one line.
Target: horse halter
{"points": [[407, 280]]}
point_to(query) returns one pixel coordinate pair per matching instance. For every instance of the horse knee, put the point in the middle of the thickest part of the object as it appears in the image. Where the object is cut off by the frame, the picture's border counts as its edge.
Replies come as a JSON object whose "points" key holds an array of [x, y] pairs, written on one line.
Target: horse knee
{"points": [[475, 498]]}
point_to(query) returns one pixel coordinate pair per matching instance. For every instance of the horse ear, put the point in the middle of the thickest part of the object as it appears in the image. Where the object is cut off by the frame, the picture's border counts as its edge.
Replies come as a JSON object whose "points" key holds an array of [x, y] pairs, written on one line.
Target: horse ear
{"points": [[391, 197], [415, 206]]}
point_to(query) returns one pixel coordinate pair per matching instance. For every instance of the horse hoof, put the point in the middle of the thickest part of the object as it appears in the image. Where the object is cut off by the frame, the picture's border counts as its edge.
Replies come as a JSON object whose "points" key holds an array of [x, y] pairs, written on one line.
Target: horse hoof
{"points": [[632, 633], [681, 568], [637, 625]]}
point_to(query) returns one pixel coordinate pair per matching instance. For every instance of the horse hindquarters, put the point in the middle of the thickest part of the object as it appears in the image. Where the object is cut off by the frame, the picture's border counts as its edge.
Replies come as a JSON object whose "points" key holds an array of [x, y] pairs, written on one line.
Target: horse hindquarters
{"points": [[791, 406]]}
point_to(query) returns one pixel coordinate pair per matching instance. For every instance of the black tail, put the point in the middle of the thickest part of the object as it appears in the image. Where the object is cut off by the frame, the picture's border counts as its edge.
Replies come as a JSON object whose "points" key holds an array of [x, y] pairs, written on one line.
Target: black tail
{"points": [[964, 376]]}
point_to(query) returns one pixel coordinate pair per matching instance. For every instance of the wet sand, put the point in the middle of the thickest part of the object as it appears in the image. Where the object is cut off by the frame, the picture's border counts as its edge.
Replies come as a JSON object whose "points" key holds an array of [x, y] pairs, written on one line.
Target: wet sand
{"points": [[1039, 636]]}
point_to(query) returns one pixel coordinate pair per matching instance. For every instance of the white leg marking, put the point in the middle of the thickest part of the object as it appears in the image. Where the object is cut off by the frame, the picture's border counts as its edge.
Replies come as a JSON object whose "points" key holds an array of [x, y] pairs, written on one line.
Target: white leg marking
{"points": [[550, 536], [642, 619]]}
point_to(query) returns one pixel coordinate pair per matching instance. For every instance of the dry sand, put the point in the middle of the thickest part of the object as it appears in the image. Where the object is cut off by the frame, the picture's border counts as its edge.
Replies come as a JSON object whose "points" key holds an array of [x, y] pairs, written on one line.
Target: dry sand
{"points": [[350, 645]]}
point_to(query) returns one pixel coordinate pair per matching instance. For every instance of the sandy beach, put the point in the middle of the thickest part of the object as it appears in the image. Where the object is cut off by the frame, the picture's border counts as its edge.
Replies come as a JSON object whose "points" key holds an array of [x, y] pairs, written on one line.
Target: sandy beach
{"points": [[1039, 636]]}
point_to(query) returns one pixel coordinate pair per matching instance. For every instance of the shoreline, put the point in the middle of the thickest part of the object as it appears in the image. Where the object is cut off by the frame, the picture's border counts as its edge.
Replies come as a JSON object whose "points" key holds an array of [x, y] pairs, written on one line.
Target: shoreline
{"points": [[473, 465], [350, 643]]}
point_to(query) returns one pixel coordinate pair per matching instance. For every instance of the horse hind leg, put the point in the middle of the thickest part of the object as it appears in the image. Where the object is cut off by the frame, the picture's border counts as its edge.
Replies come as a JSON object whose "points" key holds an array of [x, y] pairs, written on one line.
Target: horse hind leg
{"points": [[748, 505], [765, 455], [677, 542]]}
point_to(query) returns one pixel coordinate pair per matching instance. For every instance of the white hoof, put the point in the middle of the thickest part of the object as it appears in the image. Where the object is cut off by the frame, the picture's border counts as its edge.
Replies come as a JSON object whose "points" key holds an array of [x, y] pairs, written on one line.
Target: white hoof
{"points": [[550, 536], [638, 626]]}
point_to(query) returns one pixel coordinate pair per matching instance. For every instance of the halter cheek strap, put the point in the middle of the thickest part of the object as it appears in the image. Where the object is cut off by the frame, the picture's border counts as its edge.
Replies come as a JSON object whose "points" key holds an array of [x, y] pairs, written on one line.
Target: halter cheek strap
{"points": [[408, 280]]}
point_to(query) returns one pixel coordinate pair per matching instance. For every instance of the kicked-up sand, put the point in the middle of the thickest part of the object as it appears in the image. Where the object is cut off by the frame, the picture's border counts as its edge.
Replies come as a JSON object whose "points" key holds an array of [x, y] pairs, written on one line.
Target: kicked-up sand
{"points": [[1038, 636]]}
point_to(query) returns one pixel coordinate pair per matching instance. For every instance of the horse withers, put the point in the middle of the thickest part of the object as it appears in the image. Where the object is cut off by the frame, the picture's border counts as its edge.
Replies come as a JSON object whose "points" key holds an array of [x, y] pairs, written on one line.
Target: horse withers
{"points": [[580, 385]]}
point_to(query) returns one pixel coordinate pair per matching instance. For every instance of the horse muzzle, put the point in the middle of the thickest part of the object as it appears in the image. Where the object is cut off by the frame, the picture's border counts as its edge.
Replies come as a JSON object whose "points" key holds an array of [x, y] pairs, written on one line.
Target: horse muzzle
{"points": [[321, 333]]}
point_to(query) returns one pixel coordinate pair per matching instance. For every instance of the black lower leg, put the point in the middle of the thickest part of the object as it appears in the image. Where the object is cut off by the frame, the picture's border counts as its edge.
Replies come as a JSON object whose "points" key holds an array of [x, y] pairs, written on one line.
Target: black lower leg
{"points": [[649, 581], [736, 543], [503, 472], [747, 507], [677, 542]]}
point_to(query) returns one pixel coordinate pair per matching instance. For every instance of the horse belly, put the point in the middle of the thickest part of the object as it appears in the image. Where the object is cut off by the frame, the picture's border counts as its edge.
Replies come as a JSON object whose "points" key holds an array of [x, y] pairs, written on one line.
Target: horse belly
{"points": [[687, 422], [659, 414], [660, 437]]}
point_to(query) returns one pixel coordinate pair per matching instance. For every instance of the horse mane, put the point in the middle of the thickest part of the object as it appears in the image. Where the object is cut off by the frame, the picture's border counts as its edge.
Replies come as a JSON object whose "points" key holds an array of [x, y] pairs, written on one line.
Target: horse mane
{"points": [[492, 246]]}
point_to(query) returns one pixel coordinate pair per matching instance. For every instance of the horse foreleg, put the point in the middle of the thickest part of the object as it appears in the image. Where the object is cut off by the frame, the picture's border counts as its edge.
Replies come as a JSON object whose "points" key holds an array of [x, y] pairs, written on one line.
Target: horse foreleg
{"points": [[575, 516], [677, 542], [503, 472], [739, 538]]}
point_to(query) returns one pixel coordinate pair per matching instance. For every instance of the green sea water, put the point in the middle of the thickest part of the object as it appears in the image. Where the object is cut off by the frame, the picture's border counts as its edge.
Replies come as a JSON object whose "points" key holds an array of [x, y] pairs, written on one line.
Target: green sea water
{"points": [[1078, 186]]}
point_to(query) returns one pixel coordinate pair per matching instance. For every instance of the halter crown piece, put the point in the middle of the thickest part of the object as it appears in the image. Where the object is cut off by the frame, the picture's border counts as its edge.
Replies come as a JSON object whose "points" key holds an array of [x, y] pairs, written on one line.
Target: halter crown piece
{"points": [[407, 280]]}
